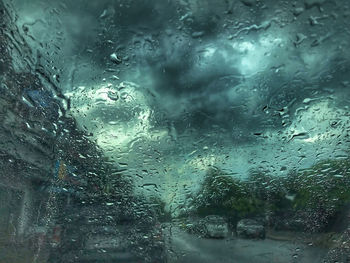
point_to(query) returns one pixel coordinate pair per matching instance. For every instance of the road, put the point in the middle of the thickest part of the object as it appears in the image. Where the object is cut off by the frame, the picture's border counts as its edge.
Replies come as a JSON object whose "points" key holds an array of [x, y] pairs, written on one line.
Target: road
{"points": [[187, 248]]}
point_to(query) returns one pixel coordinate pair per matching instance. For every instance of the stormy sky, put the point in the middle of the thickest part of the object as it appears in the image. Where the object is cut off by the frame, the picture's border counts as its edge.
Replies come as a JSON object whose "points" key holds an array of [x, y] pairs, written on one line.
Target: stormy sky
{"points": [[177, 85]]}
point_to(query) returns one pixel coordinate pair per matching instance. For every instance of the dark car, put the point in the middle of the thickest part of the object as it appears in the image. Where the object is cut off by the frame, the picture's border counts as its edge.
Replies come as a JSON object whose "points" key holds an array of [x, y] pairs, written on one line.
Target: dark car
{"points": [[110, 231]]}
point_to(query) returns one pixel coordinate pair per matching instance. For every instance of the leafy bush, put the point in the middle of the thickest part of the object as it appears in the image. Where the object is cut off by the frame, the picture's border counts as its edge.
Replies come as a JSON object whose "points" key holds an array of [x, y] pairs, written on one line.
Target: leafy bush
{"points": [[321, 192], [157, 205], [271, 190], [325, 185], [223, 195]]}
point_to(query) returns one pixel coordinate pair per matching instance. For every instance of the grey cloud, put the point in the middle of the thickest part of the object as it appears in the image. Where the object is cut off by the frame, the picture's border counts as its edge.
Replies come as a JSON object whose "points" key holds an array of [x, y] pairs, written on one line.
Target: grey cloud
{"points": [[156, 40]]}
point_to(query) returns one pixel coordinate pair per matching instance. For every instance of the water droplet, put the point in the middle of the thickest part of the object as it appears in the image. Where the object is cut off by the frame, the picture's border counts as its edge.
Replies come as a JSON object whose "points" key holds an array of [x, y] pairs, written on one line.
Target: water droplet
{"points": [[298, 11], [307, 100], [115, 58], [113, 95], [198, 34]]}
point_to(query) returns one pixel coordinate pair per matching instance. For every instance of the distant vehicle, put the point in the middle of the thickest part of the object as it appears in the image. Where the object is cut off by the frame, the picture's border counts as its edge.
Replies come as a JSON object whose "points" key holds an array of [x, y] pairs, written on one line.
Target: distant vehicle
{"points": [[216, 227]]}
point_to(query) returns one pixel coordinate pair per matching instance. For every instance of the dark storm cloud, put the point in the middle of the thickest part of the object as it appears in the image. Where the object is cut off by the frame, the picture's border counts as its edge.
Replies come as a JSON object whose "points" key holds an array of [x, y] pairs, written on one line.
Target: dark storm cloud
{"points": [[184, 49], [161, 39], [187, 81]]}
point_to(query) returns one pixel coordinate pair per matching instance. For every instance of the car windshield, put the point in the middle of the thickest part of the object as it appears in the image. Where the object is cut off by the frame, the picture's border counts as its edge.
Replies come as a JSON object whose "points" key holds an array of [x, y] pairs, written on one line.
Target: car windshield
{"points": [[175, 131]]}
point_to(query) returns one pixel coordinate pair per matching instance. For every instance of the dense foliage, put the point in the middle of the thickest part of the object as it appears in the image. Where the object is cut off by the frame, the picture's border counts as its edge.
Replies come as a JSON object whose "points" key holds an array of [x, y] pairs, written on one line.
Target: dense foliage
{"points": [[314, 196]]}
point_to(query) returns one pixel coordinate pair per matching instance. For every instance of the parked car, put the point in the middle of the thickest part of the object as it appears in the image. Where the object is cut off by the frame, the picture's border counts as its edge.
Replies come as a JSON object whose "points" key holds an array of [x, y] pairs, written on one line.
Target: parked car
{"points": [[216, 227], [109, 231]]}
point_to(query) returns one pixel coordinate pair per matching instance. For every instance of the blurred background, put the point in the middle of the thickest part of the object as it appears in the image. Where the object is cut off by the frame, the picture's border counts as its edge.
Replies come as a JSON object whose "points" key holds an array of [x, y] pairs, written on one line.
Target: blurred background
{"points": [[192, 123]]}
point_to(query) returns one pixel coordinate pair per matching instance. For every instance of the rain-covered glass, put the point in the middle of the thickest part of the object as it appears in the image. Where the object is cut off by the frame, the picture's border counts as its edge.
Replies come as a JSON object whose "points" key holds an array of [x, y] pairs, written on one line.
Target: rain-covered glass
{"points": [[200, 131]]}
